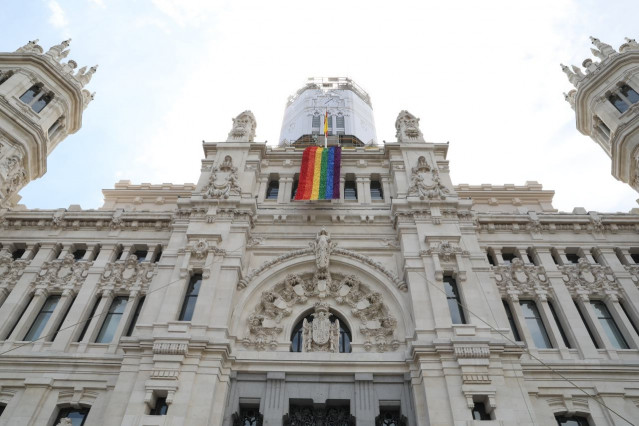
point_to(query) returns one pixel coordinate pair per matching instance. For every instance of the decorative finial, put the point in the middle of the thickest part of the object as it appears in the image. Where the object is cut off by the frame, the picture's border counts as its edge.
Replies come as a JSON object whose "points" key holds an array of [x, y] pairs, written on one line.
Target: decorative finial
{"points": [[605, 49], [30, 47], [572, 77], [629, 45], [578, 72], [570, 98]]}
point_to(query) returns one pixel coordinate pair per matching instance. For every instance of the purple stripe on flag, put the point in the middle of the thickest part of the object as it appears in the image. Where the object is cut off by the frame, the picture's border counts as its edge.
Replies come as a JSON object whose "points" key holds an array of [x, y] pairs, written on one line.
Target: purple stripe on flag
{"points": [[337, 161]]}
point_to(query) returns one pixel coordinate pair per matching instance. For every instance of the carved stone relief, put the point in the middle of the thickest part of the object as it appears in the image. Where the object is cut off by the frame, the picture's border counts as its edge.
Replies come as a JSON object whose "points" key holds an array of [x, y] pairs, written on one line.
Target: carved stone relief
{"points": [[585, 280], [10, 270], [243, 128], [519, 280], [377, 324], [127, 276], [446, 251], [62, 274], [320, 335], [407, 126], [223, 181], [425, 182]]}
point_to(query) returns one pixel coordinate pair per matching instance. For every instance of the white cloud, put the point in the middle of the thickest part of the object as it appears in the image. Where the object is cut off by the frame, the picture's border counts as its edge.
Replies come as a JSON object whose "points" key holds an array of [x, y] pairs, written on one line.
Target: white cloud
{"points": [[99, 3], [58, 18]]}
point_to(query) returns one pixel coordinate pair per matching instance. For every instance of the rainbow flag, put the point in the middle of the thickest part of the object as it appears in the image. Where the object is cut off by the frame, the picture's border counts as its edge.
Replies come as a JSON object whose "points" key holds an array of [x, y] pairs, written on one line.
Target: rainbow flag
{"points": [[319, 174]]}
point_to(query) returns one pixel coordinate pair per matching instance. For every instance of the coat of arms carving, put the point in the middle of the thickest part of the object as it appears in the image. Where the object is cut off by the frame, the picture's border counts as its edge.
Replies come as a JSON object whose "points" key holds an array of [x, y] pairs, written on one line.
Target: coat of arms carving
{"points": [[223, 181]]}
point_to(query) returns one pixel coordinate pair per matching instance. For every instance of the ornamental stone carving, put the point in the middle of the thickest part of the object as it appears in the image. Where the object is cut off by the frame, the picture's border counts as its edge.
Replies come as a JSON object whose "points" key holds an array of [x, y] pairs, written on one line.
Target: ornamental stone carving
{"points": [[585, 280], [407, 126], [127, 276], [320, 335], [633, 270], [31, 47], [62, 274], [323, 259], [425, 182], [223, 181], [10, 270], [243, 130], [446, 251], [377, 324], [520, 280], [200, 249]]}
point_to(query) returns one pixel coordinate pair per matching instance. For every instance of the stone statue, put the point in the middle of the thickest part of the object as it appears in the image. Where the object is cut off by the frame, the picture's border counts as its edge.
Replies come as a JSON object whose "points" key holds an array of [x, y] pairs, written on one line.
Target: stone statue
{"points": [[407, 126], [629, 45], [572, 77], [606, 50], [84, 76], [58, 51], [243, 128], [30, 47], [322, 247]]}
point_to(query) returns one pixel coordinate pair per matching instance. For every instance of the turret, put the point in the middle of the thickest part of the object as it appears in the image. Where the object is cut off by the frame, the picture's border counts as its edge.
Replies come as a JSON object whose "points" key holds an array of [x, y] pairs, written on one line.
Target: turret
{"points": [[606, 104], [42, 99]]}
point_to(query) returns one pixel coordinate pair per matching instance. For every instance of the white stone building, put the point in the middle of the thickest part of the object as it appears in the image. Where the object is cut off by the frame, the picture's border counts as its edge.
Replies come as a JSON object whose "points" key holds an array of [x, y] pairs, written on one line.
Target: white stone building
{"points": [[409, 300]]}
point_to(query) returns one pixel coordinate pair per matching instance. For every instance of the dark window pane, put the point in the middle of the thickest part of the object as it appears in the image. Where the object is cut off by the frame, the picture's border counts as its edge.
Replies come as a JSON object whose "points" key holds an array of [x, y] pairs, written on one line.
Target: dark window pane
{"points": [[42, 102], [272, 190], [340, 122], [294, 190], [609, 325], [79, 254], [479, 412], [508, 257], [76, 415], [350, 190], [456, 312], [630, 93], [511, 321], [30, 94], [633, 256], [17, 254], [113, 317], [535, 324], [376, 190], [161, 407], [190, 298], [57, 330], [592, 336], [571, 421], [561, 329], [248, 416], [572, 258], [316, 121], [158, 256], [619, 103], [489, 256], [134, 320], [43, 317], [141, 255]]}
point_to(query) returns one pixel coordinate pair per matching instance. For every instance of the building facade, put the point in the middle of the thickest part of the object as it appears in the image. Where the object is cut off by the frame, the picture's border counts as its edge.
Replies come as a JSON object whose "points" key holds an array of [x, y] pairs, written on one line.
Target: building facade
{"points": [[407, 301]]}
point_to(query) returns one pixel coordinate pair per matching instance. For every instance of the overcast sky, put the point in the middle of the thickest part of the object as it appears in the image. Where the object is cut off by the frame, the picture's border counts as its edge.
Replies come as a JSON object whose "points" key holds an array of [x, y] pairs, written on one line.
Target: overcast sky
{"points": [[483, 75]]}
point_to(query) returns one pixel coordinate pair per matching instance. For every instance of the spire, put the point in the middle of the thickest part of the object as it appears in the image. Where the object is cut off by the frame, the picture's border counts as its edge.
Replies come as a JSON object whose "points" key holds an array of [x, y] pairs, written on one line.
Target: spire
{"points": [[570, 98], [58, 51], [84, 76], [606, 50], [572, 77], [629, 45], [578, 72]]}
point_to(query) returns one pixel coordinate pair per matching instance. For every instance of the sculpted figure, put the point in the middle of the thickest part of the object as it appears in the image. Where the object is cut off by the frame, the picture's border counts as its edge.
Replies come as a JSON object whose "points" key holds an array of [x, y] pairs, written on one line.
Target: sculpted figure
{"points": [[243, 128], [407, 126]]}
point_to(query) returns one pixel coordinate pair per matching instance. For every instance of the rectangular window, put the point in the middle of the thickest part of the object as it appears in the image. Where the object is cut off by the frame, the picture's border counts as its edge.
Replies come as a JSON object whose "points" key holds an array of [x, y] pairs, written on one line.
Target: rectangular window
{"points": [[452, 295], [634, 257], [141, 254], [632, 323], [17, 254], [609, 325], [87, 322], [160, 408], [376, 190], [583, 319], [479, 411], [619, 103], [190, 298], [113, 317], [630, 93], [316, 121], [508, 257], [43, 317], [339, 122], [572, 257], [76, 415], [561, 329], [511, 321], [136, 314], [350, 189], [57, 330], [78, 254], [490, 258], [273, 190], [535, 324]]}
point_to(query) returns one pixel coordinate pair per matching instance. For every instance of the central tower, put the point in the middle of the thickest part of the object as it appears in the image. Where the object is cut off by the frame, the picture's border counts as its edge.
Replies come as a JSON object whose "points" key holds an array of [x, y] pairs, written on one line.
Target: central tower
{"points": [[349, 108]]}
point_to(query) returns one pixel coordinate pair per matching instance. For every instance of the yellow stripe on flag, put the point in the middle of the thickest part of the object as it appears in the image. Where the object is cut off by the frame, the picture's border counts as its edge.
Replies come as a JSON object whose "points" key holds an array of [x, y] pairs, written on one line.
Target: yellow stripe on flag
{"points": [[316, 174]]}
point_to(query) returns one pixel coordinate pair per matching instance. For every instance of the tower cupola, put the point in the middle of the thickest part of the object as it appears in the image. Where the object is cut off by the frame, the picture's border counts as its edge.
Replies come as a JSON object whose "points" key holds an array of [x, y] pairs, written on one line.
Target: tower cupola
{"points": [[42, 99], [340, 102], [606, 104]]}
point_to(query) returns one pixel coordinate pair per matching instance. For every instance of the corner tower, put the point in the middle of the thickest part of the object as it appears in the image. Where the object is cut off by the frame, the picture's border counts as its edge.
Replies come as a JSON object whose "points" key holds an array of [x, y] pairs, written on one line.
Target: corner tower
{"points": [[41, 102], [350, 114], [606, 104]]}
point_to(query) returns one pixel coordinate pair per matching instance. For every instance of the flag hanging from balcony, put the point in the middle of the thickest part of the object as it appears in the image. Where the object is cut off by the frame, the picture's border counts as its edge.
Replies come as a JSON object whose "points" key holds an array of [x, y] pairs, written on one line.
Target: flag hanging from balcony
{"points": [[319, 174]]}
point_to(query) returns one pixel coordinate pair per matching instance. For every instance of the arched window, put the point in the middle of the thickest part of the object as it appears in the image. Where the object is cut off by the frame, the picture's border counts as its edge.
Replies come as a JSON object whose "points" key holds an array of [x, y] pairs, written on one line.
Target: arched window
{"points": [[345, 337]]}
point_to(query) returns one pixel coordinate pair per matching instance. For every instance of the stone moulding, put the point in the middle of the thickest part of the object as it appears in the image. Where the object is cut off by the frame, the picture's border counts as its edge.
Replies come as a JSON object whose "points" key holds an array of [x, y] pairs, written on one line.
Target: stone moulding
{"points": [[517, 280], [62, 274], [170, 348], [399, 283], [10, 270], [129, 275]]}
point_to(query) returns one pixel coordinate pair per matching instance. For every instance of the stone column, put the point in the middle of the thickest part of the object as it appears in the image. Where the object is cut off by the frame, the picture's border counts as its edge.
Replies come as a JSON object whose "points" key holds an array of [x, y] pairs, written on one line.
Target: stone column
{"points": [[261, 188], [342, 181], [386, 187], [131, 303], [275, 403], [361, 191], [598, 331], [286, 187], [366, 405]]}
